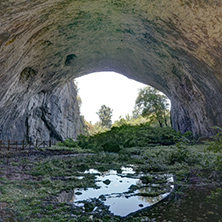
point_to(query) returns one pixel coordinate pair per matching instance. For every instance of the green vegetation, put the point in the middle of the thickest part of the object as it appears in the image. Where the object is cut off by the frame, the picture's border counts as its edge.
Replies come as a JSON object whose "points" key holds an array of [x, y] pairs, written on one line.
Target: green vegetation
{"points": [[216, 147], [131, 120], [105, 115], [97, 128], [132, 141], [105, 123], [35, 199], [152, 104], [151, 107], [125, 136]]}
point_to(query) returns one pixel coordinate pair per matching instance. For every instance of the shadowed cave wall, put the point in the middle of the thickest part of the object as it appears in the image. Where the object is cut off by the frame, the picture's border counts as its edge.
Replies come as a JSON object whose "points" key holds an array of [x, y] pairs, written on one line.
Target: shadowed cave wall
{"points": [[175, 46]]}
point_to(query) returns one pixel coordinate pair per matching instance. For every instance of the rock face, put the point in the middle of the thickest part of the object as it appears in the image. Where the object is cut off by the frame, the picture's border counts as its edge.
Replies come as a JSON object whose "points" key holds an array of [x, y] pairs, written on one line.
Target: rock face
{"points": [[175, 46], [44, 116]]}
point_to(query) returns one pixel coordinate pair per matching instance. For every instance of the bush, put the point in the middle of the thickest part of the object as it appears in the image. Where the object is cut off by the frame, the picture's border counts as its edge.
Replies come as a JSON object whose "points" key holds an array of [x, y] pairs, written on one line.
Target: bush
{"points": [[216, 147], [181, 153], [125, 136], [69, 143]]}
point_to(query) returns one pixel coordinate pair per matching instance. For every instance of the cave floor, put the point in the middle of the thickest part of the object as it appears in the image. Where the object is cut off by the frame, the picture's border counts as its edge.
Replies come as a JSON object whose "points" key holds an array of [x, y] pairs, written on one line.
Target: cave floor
{"points": [[31, 183]]}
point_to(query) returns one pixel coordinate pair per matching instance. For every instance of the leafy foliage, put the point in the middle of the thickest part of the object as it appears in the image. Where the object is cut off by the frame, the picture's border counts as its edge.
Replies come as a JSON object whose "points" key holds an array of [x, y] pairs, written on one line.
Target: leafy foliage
{"points": [[181, 152], [150, 103], [68, 143], [34, 199], [216, 147], [130, 120], [126, 136], [105, 115], [89, 128]]}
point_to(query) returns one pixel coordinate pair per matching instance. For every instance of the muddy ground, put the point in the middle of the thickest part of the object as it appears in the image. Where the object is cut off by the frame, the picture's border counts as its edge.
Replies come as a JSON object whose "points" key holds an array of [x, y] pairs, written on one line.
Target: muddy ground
{"points": [[31, 182]]}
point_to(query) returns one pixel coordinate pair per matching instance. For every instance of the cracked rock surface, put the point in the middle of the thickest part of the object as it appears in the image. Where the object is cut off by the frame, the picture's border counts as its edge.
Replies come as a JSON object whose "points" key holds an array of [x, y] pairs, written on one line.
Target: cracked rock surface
{"points": [[44, 116], [175, 46]]}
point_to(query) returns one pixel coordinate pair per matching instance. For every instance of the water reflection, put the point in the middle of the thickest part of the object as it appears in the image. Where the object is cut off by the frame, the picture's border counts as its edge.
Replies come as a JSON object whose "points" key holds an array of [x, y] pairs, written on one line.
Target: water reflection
{"points": [[123, 191]]}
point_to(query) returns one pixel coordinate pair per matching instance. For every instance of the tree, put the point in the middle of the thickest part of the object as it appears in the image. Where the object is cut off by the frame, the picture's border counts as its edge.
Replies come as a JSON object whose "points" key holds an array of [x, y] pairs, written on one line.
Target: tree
{"points": [[79, 100], [152, 104], [105, 115], [130, 120], [89, 128]]}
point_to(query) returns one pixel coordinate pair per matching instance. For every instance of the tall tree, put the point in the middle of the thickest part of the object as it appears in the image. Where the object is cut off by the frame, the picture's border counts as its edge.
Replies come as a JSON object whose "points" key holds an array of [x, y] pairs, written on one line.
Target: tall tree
{"points": [[105, 114], [152, 104]]}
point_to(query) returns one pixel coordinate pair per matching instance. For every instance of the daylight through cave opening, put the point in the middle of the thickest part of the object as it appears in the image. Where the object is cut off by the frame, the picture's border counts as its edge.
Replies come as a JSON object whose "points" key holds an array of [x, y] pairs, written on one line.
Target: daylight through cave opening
{"points": [[172, 46], [119, 93]]}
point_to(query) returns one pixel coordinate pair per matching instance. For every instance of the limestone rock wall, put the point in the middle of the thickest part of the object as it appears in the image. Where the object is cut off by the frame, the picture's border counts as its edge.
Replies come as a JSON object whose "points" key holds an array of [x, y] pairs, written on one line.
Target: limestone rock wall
{"points": [[43, 116], [175, 46]]}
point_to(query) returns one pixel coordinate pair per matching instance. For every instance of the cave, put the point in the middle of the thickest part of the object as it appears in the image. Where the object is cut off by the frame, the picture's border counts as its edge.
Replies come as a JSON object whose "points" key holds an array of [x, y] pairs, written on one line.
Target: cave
{"points": [[174, 46]]}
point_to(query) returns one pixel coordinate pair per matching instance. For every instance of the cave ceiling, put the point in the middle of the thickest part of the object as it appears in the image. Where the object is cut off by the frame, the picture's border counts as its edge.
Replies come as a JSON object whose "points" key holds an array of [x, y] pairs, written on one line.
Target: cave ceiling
{"points": [[175, 46]]}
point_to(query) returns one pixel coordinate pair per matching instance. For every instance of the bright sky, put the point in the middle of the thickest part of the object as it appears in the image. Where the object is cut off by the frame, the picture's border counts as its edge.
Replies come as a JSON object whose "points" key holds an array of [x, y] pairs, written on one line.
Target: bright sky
{"points": [[110, 89]]}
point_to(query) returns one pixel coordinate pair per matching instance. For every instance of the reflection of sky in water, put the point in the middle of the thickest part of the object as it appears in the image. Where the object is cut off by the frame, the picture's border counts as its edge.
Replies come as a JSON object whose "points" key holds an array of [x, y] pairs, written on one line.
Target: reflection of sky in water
{"points": [[123, 206], [120, 204]]}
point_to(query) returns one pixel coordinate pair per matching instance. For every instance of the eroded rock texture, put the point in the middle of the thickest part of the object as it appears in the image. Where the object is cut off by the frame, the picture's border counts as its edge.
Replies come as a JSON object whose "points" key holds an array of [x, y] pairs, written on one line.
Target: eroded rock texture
{"points": [[175, 46], [52, 115]]}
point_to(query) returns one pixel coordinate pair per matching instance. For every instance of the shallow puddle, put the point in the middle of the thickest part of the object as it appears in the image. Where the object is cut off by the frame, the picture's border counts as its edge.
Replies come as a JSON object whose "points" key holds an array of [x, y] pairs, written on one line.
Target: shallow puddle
{"points": [[122, 192]]}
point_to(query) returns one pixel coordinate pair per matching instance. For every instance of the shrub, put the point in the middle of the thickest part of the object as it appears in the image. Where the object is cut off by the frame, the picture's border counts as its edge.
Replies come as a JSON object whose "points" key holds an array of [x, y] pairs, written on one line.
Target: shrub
{"points": [[69, 143], [125, 136], [216, 147]]}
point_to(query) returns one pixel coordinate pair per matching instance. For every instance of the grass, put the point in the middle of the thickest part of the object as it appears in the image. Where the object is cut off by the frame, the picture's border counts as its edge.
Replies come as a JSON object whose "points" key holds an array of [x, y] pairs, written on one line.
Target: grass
{"points": [[69, 149], [124, 136], [33, 199]]}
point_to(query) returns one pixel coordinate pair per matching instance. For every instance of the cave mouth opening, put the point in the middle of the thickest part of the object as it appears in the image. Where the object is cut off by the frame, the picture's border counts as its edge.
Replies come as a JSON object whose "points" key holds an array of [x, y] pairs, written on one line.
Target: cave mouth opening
{"points": [[111, 89]]}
